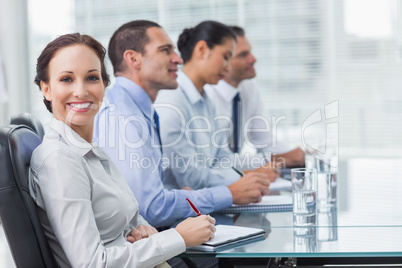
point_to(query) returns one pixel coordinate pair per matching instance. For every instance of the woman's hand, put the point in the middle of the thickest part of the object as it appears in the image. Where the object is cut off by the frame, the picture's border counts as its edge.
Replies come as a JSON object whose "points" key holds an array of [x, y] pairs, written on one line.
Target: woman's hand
{"points": [[198, 230], [141, 232]]}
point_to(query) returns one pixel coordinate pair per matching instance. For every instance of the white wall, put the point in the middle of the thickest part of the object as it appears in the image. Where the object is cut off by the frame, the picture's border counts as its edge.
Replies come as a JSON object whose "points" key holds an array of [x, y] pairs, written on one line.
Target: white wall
{"points": [[14, 49]]}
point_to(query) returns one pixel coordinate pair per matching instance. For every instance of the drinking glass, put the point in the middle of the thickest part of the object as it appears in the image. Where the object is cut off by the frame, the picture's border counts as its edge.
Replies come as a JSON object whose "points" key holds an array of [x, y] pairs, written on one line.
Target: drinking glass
{"points": [[304, 192]]}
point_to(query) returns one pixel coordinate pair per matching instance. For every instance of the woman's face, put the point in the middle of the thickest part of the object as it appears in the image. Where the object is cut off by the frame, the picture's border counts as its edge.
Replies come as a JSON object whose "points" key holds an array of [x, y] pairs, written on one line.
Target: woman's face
{"points": [[218, 61], [75, 86]]}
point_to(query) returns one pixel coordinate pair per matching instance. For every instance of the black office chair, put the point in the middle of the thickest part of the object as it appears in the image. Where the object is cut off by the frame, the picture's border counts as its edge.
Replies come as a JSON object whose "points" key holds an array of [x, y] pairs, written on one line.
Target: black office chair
{"points": [[29, 120], [23, 230]]}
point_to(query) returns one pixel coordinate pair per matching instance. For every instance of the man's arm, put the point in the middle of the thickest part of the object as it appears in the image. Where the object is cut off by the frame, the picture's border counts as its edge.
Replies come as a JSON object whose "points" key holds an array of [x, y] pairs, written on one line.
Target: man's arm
{"points": [[293, 158], [278, 152], [139, 166]]}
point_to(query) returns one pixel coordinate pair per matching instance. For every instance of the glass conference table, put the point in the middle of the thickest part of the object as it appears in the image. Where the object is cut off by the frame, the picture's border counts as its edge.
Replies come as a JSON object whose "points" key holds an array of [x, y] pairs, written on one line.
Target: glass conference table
{"points": [[366, 226]]}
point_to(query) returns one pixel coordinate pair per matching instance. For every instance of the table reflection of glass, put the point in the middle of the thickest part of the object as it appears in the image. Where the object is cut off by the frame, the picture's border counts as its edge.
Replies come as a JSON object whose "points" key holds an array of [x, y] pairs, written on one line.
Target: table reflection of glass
{"points": [[305, 239], [369, 193], [327, 225], [352, 242], [367, 221]]}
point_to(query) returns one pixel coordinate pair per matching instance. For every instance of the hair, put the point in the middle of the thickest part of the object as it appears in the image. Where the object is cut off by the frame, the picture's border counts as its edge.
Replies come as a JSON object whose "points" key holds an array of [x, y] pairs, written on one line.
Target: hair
{"points": [[212, 32], [42, 65], [130, 36], [238, 30]]}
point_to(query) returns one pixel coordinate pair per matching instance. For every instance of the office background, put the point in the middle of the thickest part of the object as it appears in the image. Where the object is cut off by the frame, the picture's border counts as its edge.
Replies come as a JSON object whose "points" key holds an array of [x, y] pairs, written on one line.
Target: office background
{"points": [[310, 53]]}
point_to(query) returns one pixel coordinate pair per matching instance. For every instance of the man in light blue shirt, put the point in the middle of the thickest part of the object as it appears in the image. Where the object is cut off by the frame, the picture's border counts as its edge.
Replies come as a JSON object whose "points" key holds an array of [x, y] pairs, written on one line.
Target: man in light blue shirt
{"points": [[238, 83], [126, 127]]}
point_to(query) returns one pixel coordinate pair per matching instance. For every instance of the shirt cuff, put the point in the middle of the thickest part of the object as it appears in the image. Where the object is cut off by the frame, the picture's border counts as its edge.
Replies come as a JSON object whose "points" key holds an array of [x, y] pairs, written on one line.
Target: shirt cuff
{"points": [[172, 243], [222, 197]]}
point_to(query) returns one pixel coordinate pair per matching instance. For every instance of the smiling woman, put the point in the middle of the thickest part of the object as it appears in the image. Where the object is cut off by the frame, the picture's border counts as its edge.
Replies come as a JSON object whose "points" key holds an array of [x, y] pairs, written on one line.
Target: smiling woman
{"points": [[73, 81], [90, 215], [75, 93]]}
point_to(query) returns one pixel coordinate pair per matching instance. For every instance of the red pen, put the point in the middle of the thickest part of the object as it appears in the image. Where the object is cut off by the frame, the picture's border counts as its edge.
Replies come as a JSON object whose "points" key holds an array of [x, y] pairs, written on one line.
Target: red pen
{"points": [[194, 208]]}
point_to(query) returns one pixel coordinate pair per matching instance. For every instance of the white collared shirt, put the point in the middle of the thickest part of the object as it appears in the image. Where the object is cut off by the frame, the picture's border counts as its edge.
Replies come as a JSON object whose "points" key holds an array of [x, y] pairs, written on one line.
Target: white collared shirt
{"points": [[197, 157], [87, 209], [257, 132]]}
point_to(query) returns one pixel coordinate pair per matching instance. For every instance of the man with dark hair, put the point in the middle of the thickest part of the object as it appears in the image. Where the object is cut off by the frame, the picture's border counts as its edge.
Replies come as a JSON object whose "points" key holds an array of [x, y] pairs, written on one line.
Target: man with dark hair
{"points": [[127, 128], [131, 35], [238, 91], [238, 31]]}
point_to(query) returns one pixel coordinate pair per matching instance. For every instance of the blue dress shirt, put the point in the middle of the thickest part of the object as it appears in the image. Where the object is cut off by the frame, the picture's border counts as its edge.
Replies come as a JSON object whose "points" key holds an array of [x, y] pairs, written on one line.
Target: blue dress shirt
{"points": [[125, 129]]}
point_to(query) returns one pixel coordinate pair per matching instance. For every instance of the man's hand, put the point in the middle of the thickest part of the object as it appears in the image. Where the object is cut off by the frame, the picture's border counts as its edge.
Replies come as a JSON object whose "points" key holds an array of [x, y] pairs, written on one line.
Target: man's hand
{"points": [[250, 188], [294, 158], [141, 232], [267, 169], [187, 188]]}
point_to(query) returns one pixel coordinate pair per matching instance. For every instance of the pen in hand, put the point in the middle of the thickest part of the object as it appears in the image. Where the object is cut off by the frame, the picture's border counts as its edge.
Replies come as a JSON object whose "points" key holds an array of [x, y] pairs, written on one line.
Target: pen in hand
{"points": [[241, 173], [194, 208]]}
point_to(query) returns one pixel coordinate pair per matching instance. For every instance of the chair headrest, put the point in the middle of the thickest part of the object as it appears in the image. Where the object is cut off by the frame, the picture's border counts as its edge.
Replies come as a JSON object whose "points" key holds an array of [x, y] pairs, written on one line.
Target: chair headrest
{"points": [[29, 120], [19, 142]]}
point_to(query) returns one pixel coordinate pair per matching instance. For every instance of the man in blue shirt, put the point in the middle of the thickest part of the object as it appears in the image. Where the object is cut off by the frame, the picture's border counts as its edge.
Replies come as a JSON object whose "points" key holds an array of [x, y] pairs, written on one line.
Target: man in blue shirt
{"points": [[126, 127]]}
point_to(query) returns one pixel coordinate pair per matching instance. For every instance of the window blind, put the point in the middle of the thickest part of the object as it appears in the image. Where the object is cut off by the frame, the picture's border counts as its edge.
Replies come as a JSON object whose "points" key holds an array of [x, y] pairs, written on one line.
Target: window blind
{"points": [[310, 53]]}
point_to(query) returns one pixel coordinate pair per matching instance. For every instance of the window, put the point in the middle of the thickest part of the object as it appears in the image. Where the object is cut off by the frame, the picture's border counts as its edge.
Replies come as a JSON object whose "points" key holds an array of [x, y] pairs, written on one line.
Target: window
{"points": [[310, 53]]}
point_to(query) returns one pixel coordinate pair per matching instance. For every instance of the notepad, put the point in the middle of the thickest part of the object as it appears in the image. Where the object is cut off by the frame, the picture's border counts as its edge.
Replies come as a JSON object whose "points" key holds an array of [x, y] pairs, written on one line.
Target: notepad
{"points": [[269, 203], [230, 235]]}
